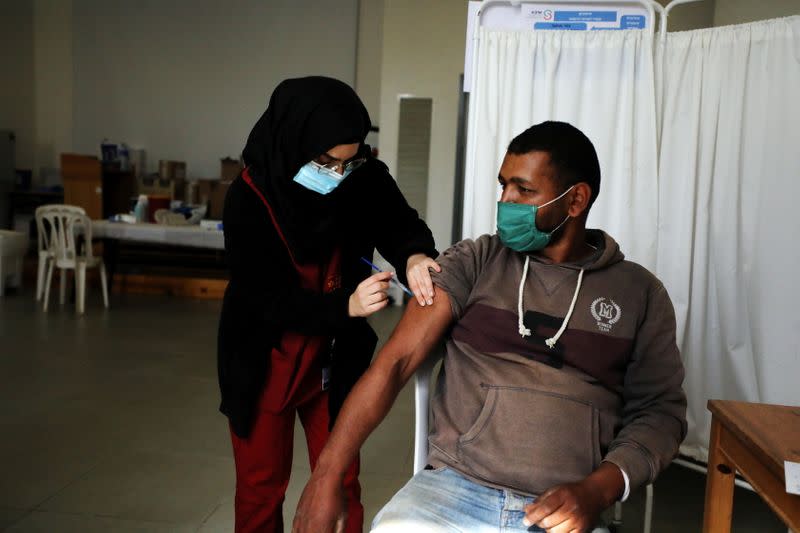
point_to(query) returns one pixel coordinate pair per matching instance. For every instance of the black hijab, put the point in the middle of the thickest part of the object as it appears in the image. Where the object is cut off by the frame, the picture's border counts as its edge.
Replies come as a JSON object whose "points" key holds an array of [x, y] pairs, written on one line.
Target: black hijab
{"points": [[305, 118]]}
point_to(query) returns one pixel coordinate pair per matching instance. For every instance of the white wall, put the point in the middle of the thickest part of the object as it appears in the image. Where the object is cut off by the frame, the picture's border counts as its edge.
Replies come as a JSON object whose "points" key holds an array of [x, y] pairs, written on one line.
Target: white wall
{"points": [[741, 11], [423, 54], [52, 63], [16, 66], [187, 80], [708, 13], [691, 16], [368, 58]]}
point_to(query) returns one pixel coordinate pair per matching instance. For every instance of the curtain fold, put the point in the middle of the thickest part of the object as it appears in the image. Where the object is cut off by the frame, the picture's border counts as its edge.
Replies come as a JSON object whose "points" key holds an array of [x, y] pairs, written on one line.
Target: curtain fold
{"points": [[700, 180], [729, 179], [601, 82]]}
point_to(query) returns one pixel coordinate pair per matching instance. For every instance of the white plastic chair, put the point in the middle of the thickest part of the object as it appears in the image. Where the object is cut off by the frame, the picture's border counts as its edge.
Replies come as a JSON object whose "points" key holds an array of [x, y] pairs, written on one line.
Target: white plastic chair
{"points": [[422, 380], [45, 248], [60, 224]]}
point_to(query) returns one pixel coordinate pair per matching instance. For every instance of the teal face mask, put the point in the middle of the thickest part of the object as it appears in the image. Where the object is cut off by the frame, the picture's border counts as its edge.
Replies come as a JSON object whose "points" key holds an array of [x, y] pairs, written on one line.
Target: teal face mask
{"points": [[516, 225]]}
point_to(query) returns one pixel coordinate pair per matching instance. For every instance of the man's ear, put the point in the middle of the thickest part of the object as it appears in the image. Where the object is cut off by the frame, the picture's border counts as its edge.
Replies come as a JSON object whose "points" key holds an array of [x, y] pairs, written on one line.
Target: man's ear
{"points": [[579, 198]]}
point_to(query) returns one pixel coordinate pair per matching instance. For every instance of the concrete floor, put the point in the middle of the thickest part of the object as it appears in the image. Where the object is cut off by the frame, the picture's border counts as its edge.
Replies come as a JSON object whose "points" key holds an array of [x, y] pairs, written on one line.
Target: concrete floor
{"points": [[109, 422]]}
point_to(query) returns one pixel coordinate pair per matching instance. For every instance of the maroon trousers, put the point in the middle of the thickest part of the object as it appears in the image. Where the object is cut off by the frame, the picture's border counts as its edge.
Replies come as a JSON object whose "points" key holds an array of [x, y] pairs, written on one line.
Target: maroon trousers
{"points": [[264, 462]]}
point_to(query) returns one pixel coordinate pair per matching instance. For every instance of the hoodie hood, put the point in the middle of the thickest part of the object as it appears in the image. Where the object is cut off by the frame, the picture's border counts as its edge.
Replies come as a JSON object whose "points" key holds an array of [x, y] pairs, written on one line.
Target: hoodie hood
{"points": [[607, 248], [607, 253]]}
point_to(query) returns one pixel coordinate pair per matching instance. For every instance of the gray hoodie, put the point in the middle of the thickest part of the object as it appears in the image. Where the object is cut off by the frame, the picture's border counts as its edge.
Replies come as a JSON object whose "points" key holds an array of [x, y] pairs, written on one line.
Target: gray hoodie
{"points": [[512, 412]]}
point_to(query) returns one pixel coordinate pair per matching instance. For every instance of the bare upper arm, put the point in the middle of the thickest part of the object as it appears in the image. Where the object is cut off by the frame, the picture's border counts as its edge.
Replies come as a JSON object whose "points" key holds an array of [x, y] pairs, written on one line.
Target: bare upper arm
{"points": [[415, 336]]}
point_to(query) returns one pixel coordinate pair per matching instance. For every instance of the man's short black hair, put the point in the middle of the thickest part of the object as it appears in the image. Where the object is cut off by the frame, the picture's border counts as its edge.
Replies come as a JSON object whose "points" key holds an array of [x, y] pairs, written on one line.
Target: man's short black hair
{"points": [[571, 153]]}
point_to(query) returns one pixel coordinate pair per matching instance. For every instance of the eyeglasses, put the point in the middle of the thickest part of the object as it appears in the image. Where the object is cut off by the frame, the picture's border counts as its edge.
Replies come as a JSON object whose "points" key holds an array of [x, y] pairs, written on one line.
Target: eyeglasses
{"points": [[346, 166]]}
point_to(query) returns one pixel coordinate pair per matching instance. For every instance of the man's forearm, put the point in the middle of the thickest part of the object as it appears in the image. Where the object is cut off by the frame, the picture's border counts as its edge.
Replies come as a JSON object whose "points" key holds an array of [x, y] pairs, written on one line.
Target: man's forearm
{"points": [[608, 482], [370, 400], [366, 406], [577, 506]]}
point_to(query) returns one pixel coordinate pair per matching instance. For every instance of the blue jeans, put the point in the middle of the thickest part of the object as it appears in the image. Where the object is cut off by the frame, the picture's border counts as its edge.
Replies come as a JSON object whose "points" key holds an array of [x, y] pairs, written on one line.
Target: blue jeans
{"points": [[442, 500]]}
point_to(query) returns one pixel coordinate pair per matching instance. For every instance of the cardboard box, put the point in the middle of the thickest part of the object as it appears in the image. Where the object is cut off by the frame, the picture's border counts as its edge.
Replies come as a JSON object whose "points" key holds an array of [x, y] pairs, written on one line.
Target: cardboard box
{"points": [[154, 186], [192, 192], [172, 170], [204, 191], [229, 168], [212, 193]]}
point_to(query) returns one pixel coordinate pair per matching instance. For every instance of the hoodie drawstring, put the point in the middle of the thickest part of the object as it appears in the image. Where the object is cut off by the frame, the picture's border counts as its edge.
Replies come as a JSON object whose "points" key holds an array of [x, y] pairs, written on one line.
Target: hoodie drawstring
{"points": [[526, 332]]}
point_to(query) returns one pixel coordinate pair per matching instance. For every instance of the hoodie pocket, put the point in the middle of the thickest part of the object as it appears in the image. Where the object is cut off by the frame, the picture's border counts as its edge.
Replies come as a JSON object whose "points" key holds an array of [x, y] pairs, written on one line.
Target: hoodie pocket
{"points": [[531, 440]]}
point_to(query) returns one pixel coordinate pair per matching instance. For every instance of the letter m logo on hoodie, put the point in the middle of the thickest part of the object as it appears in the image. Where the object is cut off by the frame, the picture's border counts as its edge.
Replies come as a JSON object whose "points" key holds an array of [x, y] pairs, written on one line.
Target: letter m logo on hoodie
{"points": [[606, 314]]}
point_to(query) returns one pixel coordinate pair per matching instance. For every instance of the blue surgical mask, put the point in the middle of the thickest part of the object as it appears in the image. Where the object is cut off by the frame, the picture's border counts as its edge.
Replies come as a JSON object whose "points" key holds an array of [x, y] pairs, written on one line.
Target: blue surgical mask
{"points": [[516, 225], [317, 178]]}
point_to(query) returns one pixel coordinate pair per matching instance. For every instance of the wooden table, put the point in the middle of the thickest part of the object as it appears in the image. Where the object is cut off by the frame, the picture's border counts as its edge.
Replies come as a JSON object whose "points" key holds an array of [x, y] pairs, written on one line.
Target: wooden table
{"points": [[754, 440]]}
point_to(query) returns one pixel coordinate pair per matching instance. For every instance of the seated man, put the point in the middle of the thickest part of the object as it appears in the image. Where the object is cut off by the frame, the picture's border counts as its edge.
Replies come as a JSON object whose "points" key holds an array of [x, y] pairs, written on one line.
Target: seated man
{"points": [[560, 391]]}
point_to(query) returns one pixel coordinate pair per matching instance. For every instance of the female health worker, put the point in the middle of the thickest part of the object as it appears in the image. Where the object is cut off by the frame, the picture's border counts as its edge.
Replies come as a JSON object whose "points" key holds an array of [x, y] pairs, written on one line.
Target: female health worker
{"points": [[293, 338]]}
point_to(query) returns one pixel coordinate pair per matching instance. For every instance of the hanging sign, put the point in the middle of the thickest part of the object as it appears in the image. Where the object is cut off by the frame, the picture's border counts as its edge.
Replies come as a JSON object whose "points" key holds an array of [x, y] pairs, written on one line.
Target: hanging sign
{"points": [[552, 16]]}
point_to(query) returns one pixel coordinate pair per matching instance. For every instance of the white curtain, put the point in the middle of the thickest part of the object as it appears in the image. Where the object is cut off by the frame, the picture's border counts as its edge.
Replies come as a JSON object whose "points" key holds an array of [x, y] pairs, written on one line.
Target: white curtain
{"points": [[708, 202], [601, 82], [729, 185]]}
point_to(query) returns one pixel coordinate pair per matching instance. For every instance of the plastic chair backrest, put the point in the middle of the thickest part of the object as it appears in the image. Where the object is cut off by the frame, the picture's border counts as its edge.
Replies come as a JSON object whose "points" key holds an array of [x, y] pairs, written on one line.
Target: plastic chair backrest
{"points": [[58, 225], [422, 382], [42, 235]]}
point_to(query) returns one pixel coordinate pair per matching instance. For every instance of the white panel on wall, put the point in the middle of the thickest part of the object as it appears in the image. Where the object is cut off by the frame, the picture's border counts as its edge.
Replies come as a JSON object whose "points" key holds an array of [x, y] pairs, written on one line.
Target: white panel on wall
{"points": [[186, 80], [423, 54], [413, 151]]}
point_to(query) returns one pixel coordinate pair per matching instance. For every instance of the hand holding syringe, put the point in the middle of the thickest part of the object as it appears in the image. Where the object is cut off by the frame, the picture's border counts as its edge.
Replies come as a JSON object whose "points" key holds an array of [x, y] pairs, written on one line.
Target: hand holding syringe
{"points": [[394, 278]]}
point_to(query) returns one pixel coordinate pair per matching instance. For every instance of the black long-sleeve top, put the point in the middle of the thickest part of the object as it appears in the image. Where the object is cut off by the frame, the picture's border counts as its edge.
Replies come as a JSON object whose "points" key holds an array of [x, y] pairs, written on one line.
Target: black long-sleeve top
{"points": [[264, 299]]}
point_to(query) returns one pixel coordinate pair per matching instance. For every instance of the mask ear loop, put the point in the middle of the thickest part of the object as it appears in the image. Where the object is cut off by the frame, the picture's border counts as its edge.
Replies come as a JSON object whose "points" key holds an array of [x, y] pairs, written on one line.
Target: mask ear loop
{"points": [[559, 197], [553, 200], [559, 226]]}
